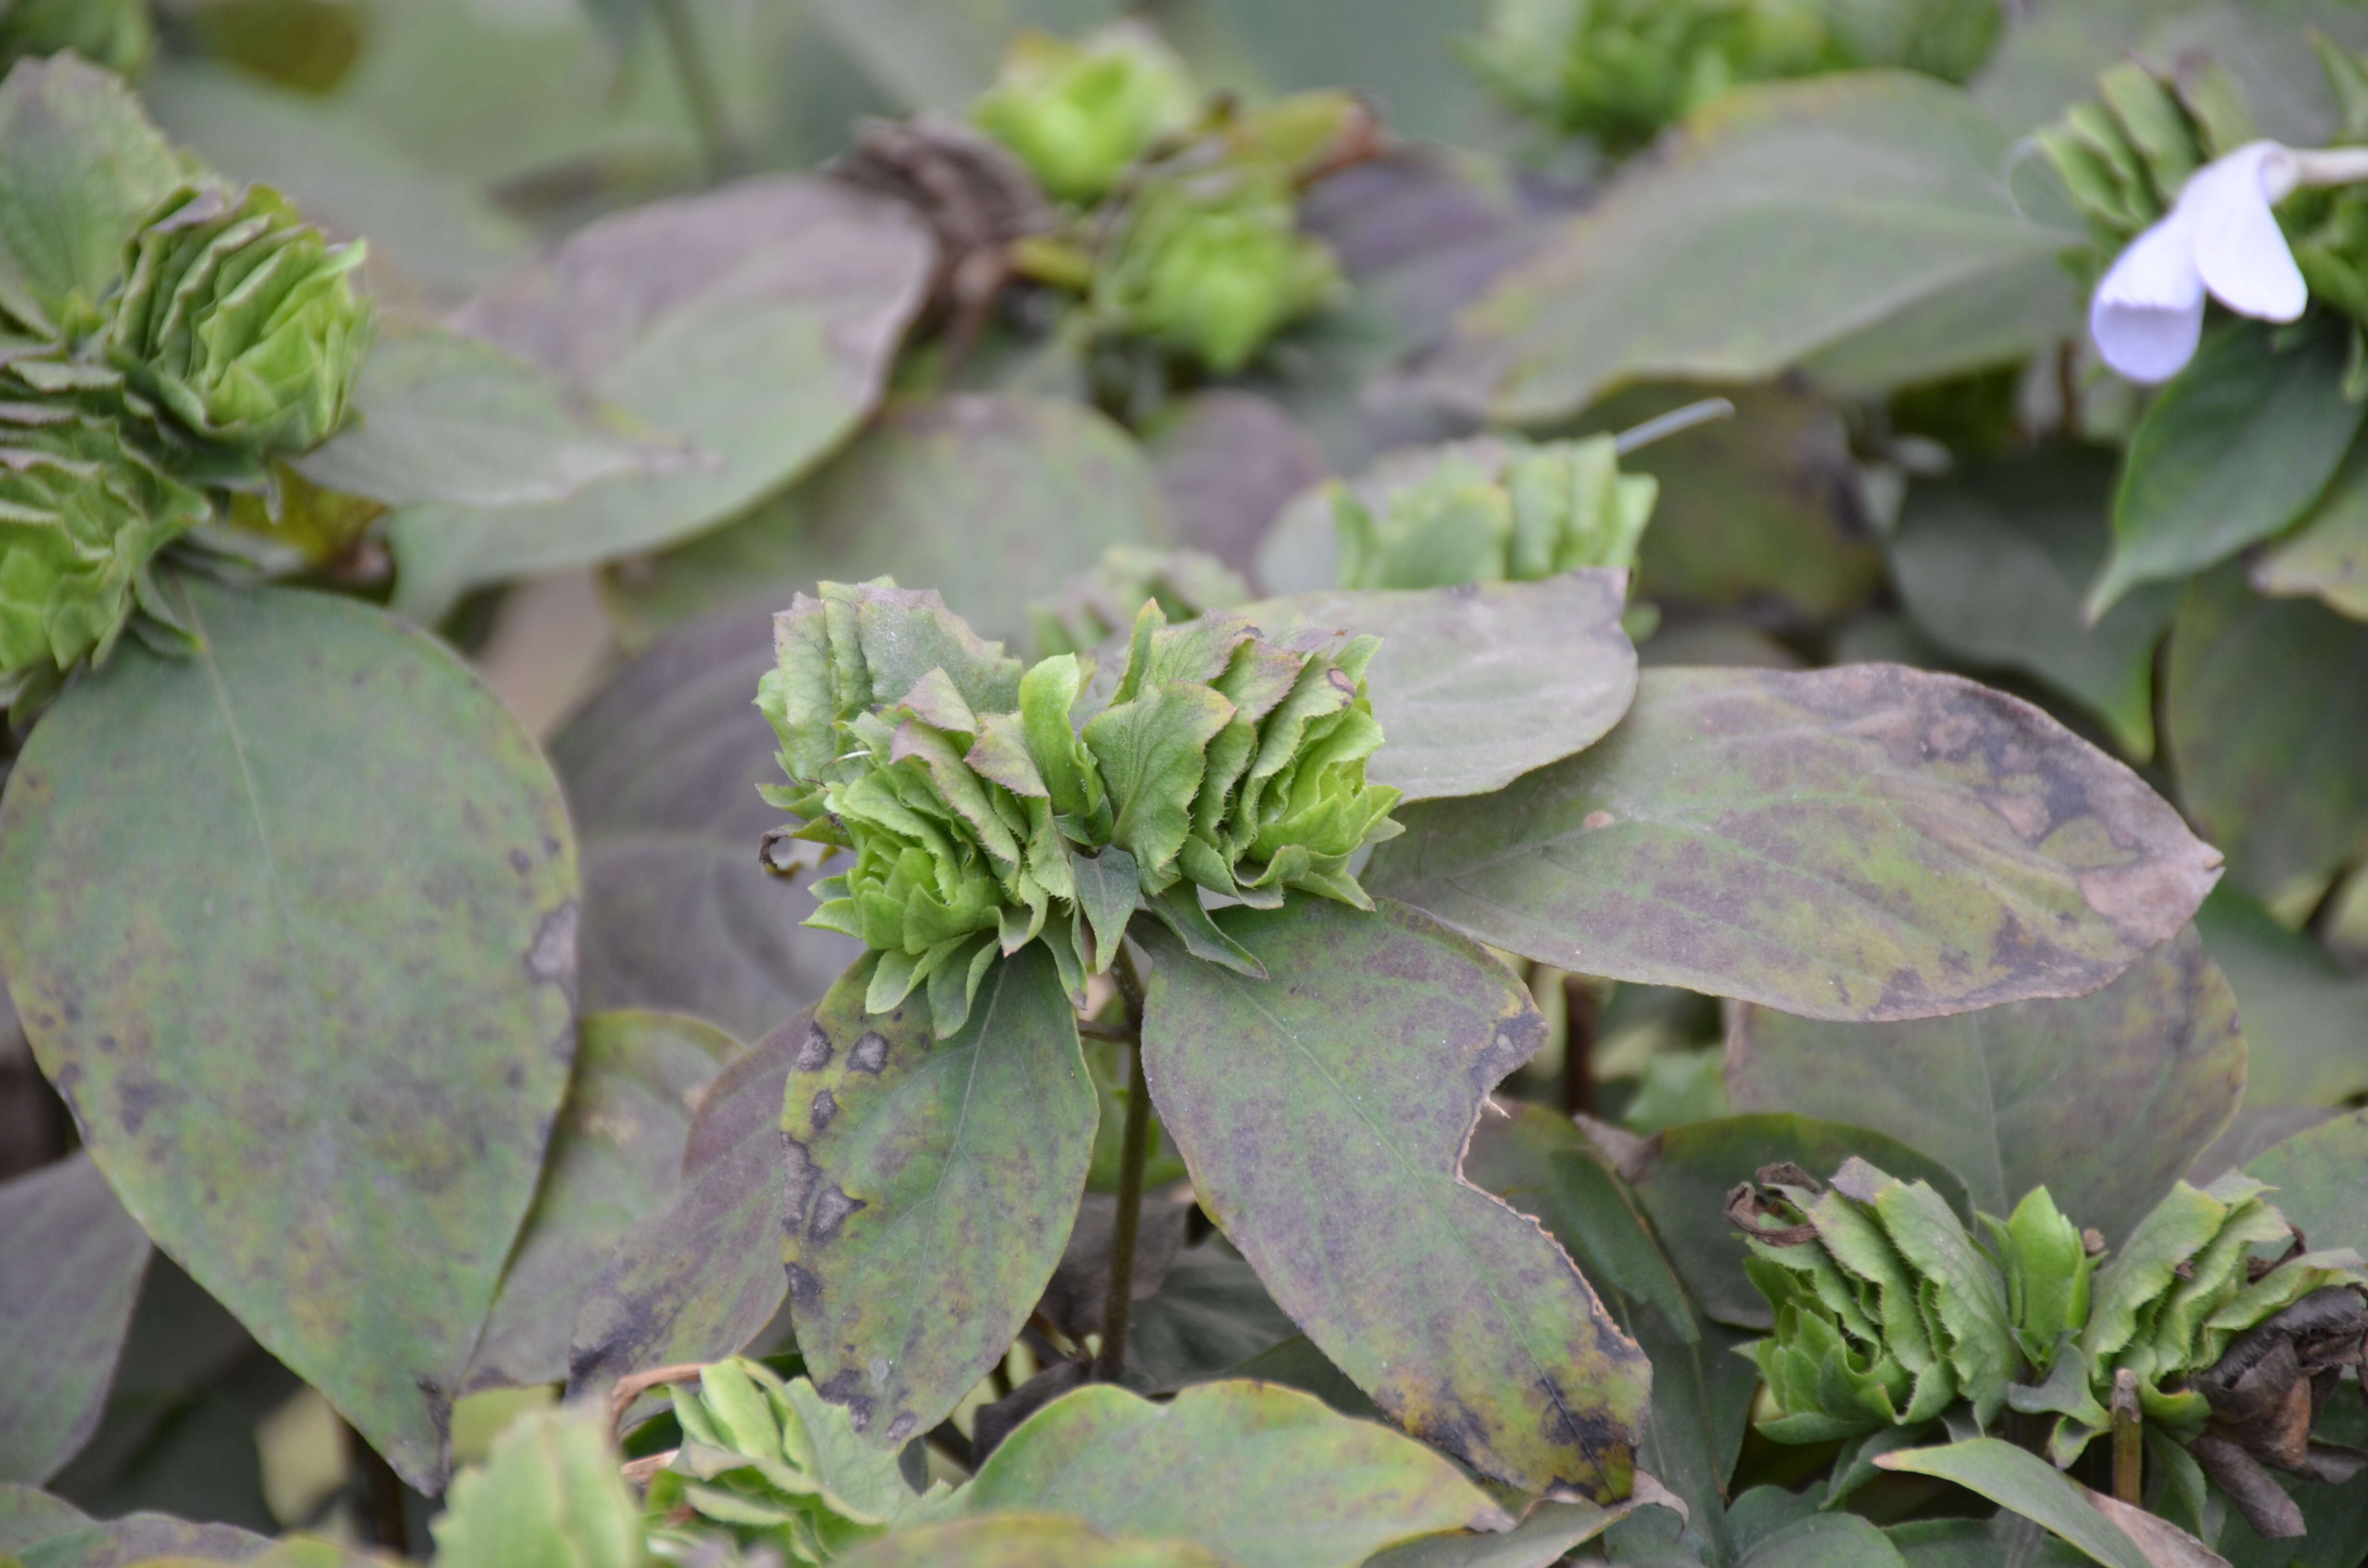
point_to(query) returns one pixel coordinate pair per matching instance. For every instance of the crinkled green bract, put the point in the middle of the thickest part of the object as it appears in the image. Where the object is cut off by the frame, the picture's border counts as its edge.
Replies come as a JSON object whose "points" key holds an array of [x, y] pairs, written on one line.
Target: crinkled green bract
{"points": [[1078, 114], [1210, 263], [1887, 1310], [1096, 606], [981, 817], [1539, 511], [241, 320], [766, 1463], [1621, 69], [113, 33], [83, 513]]}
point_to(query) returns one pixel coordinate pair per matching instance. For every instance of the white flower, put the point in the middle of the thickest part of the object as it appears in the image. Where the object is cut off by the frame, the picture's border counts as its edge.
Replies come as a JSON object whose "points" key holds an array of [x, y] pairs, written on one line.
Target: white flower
{"points": [[2219, 238]]}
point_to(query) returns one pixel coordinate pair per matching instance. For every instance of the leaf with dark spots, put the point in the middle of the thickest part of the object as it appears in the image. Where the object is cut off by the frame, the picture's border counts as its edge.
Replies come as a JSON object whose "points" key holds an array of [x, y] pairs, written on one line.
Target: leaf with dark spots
{"points": [[757, 322], [2265, 715], [698, 1278], [71, 1261], [615, 1157], [1864, 843], [2104, 1099], [923, 1216], [1682, 1179], [277, 876], [993, 499], [661, 767], [1474, 686], [1324, 1114], [1262, 1476]]}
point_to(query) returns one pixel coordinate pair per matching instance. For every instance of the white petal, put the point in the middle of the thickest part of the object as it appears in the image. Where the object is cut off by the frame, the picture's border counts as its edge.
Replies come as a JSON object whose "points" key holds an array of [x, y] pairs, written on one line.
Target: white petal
{"points": [[2239, 251], [2147, 313]]}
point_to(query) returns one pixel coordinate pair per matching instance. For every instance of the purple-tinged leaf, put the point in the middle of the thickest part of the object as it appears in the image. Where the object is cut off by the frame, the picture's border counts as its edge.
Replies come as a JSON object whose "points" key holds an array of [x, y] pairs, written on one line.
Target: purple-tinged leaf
{"points": [[70, 1266]]}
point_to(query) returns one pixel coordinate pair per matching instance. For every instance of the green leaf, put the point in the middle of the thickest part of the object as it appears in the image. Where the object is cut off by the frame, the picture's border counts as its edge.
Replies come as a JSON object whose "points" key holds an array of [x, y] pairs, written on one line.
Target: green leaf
{"points": [[2328, 555], [305, 900], [1682, 1178], [757, 321], [661, 767], [444, 417], [1994, 564], [29, 1516], [1549, 1534], [1263, 1476], [425, 228], [1981, 1543], [1779, 221], [71, 1261], [2024, 1483], [1864, 843], [1476, 686], [549, 1496], [2234, 450], [1024, 1540], [932, 1186], [2265, 715], [1824, 1540], [615, 1157], [1995, 1094], [2317, 1174], [1324, 1115], [40, 1531], [80, 166], [700, 1278], [1402, 53], [992, 499], [2301, 1011], [1150, 749]]}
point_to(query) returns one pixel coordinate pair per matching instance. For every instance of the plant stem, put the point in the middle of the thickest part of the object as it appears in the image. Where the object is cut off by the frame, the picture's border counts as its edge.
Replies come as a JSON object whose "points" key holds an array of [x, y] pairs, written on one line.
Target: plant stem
{"points": [[2128, 1456], [379, 1495], [698, 87], [1134, 1149], [1579, 1023]]}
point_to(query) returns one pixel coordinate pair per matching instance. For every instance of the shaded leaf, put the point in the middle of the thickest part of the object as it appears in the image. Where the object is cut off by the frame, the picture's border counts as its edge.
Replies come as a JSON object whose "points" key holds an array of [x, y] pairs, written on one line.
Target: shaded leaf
{"points": [[1995, 564], [2104, 1099], [444, 417], [307, 899], [615, 1157], [1551, 1532], [2301, 1012], [1324, 1115], [435, 232], [757, 321], [1475, 685], [1209, 1315], [1824, 1540], [993, 500], [2003, 1541], [2328, 555], [931, 1186], [80, 166], [2234, 450], [661, 767], [70, 1266], [700, 1279], [1401, 51], [2020, 1481], [1810, 212], [1263, 1476], [1682, 1178], [141, 1537], [2265, 715], [1227, 462], [2318, 1175], [1869, 842], [548, 1497], [1023, 1541]]}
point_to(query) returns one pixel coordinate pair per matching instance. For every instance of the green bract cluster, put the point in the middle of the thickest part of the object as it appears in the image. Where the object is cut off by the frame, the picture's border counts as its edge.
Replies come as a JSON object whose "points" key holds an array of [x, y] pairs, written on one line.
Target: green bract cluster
{"points": [[1888, 1310], [1619, 70], [768, 1463], [113, 33], [1096, 606], [1476, 517], [1079, 114], [240, 321], [980, 816]]}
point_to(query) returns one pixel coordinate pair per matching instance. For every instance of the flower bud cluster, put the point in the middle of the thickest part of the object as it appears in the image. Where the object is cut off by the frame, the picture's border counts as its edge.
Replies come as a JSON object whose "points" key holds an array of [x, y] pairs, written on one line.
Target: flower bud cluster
{"points": [[981, 814], [1888, 1310], [1513, 512], [1621, 69], [1080, 114]]}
